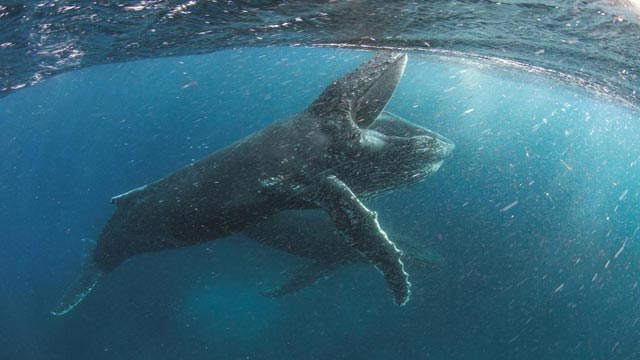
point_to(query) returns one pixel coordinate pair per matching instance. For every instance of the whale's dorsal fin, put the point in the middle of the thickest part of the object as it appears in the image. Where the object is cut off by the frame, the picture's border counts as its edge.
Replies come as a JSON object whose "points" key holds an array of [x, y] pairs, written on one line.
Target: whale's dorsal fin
{"points": [[119, 199], [360, 96]]}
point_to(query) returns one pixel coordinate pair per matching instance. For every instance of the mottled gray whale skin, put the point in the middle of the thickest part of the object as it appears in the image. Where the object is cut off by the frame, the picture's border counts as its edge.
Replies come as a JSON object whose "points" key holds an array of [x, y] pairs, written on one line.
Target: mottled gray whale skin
{"points": [[311, 234], [320, 158]]}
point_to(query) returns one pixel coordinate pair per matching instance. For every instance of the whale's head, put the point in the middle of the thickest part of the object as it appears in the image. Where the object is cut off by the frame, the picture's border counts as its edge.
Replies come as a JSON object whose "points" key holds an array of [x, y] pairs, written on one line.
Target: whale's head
{"points": [[371, 150], [392, 153]]}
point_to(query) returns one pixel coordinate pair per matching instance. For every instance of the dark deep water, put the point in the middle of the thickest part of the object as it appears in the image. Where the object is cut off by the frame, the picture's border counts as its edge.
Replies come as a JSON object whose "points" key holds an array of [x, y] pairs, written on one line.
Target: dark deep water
{"points": [[536, 214]]}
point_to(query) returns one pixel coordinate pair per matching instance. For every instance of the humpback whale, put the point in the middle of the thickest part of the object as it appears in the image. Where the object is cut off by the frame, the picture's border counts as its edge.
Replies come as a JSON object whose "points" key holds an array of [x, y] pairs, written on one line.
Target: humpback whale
{"points": [[321, 158]]}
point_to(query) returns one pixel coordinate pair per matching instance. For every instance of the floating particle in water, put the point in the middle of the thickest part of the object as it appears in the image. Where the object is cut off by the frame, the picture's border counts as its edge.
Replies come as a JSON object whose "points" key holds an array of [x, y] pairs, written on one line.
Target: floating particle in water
{"points": [[559, 288], [508, 207], [623, 195], [468, 112], [620, 250], [193, 83], [569, 167]]}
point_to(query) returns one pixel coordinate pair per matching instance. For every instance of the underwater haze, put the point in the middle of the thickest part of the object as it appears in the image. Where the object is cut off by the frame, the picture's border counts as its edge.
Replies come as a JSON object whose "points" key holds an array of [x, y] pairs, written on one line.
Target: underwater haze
{"points": [[532, 225], [535, 217]]}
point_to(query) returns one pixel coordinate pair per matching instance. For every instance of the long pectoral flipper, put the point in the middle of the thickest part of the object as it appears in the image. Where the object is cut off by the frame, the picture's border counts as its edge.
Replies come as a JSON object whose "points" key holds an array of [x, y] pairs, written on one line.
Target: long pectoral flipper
{"points": [[361, 227], [304, 277]]}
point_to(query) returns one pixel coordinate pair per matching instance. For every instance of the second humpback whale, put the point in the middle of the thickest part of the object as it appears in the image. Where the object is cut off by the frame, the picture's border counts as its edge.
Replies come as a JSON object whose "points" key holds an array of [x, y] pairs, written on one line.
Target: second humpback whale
{"points": [[310, 234], [321, 158]]}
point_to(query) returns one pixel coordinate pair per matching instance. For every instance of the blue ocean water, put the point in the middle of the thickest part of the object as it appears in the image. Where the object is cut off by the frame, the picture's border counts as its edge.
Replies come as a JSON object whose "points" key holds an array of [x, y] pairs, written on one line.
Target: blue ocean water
{"points": [[535, 216]]}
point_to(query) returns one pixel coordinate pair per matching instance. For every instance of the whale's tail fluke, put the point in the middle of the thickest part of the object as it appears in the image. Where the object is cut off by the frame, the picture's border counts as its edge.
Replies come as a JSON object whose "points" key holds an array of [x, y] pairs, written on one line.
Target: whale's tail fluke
{"points": [[81, 287]]}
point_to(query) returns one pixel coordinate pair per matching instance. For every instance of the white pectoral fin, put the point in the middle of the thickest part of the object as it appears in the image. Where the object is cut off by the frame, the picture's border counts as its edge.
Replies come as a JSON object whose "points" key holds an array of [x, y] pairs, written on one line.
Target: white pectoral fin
{"points": [[361, 227]]}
